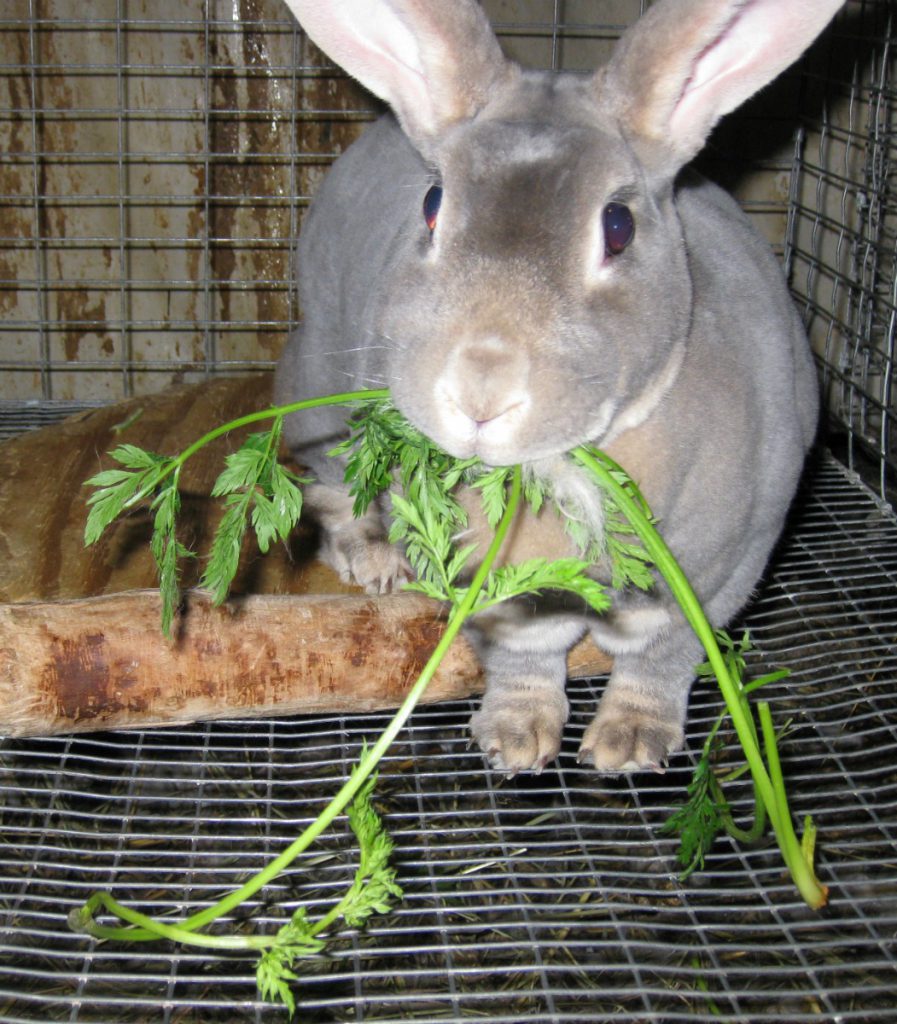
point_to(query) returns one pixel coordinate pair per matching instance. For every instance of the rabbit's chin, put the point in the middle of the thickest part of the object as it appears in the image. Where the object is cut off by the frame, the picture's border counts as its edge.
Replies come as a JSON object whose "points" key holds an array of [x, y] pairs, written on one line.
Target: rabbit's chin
{"points": [[509, 439]]}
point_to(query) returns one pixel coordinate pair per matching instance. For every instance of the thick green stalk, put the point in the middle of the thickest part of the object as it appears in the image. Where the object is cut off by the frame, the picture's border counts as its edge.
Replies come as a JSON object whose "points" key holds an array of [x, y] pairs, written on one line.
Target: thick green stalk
{"points": [[344, 398], [798, 854], [148, 929], [805, 879], [81, 920]]}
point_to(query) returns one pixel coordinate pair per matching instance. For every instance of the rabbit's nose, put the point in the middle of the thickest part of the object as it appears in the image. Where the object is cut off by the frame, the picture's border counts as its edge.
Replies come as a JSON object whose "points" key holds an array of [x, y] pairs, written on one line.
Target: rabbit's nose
{"points": [[484, 394]]}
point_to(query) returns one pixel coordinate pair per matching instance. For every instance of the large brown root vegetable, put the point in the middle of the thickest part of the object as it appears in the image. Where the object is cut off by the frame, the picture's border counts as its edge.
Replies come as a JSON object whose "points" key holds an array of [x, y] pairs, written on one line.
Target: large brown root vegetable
{"points": [[80, 643]]}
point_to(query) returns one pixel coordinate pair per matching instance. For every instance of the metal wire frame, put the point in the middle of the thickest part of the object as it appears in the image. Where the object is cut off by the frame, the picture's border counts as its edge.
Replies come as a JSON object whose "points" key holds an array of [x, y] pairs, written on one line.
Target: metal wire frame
{"points": [[220, 57], [546, 898], [111, 41], [212, 290], [842, 241]]}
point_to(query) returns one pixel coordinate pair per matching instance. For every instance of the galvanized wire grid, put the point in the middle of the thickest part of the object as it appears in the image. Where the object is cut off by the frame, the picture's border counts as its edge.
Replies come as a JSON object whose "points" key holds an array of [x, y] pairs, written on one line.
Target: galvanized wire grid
{"points": [[841, 247], [154, 166], [549, 898], [152, 191]]}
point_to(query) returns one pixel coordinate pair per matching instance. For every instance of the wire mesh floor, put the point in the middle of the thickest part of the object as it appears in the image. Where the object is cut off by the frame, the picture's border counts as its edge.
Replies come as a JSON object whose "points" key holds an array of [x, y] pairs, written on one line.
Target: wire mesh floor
{"points": [[550, 898]]}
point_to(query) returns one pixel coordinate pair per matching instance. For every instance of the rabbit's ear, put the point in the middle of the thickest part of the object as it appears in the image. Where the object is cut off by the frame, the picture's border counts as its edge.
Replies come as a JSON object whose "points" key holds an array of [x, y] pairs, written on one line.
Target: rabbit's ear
{"points": [[688, 62], [433, 61]]}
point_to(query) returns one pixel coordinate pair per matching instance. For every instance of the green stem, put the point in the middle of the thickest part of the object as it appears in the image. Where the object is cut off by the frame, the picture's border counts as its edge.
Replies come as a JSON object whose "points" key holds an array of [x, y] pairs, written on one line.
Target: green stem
{"points": [[771, 677], [344, 398], [148, 929], [809, 886], [752, 834], [794, 853], [81, 920]]}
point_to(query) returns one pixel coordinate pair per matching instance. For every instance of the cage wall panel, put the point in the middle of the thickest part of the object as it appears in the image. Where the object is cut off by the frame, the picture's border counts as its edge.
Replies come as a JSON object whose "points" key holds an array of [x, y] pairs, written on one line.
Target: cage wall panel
{"points": [[844, 230], [158, 158], [155, 163]]}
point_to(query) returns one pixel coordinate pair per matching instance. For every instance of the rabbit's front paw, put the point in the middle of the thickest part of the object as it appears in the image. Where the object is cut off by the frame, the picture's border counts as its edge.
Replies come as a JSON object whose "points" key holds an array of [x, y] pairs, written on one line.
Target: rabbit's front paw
{"points": [[519, 728], [380, 568], [631, 734], [375, 565]]}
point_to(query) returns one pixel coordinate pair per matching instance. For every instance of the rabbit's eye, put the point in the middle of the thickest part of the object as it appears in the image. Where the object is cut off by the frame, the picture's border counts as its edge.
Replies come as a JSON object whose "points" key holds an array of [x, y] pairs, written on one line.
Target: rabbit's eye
{"points": [[619, 227], [432, 201]]}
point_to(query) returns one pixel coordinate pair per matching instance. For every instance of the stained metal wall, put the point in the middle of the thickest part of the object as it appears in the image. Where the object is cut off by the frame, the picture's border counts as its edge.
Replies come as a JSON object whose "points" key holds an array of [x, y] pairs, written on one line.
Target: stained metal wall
{"points": [[157, 156], [156, 159]]}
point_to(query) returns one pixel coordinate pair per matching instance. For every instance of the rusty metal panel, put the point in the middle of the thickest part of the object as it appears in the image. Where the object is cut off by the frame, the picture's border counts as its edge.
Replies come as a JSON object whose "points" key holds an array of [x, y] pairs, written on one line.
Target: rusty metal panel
{"points": [[157, 159]]}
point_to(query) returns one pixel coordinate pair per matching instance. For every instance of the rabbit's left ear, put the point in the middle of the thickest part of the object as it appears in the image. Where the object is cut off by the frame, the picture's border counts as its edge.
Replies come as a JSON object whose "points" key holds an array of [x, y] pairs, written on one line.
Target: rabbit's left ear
{"points": [[433, 61], [686, 63]]}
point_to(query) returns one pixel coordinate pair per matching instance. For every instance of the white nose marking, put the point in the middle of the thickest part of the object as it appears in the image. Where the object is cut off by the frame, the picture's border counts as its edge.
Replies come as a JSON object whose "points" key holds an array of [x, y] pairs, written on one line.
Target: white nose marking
{"points": [[484, 391]]}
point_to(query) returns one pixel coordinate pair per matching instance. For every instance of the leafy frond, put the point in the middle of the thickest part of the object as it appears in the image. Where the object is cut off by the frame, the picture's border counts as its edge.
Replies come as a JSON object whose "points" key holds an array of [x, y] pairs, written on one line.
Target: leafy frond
{"points": [[373, 891], [258, 492], [701, 818], [120, 489], [273, 972]]}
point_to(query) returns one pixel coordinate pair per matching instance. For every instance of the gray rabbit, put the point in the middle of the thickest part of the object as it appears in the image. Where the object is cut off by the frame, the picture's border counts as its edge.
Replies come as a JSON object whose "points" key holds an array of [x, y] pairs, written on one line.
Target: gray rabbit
{"points": [[520, 257]]}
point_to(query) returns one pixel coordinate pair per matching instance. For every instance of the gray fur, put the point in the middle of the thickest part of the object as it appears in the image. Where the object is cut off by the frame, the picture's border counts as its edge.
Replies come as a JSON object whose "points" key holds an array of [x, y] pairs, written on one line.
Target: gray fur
{"points": [[507, 334]]}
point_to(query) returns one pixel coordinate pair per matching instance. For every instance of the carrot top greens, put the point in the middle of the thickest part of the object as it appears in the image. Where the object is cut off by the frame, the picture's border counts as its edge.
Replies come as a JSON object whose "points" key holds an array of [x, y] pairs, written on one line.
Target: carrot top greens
{"points": [[385, 453]]}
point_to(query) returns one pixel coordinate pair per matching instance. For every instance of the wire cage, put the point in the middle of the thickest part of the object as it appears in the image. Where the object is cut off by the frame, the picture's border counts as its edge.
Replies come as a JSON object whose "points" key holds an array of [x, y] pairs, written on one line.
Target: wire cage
{"points": [[155, 163]]}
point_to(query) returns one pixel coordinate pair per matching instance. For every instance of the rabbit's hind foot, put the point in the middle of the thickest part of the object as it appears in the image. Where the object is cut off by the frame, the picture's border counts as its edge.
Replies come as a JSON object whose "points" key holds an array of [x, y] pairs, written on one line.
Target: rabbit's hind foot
{"points": [[518, 727], [632, 732]]}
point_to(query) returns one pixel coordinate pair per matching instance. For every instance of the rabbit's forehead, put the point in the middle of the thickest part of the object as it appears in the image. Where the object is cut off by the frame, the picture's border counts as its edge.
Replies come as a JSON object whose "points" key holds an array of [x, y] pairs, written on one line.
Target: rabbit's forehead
{"points": [[538, 134], [492, 148], [494, 153]]}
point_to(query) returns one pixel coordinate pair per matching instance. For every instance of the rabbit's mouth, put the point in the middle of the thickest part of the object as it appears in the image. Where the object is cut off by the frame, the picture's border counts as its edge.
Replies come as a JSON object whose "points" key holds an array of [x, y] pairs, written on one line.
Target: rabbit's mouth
{"points": [[483, 401], [490, 432], [490, 400], [510, 434]]}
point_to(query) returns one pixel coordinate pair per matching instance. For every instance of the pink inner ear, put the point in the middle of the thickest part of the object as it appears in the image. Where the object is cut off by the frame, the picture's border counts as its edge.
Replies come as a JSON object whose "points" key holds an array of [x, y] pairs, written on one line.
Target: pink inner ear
{"points": [[400, 82], [374, 44], [762, 39], [383, 49]]}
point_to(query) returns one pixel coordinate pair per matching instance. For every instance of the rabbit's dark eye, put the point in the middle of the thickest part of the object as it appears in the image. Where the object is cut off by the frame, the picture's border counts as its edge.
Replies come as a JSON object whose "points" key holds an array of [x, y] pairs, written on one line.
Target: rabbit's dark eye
{"points": [[619, 227], [432, 201]]}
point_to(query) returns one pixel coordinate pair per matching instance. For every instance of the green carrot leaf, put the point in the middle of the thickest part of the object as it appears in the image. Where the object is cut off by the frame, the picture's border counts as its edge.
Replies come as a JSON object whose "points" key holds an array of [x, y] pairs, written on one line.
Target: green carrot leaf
{"points": [[493, 488], [374, 887], [700, 819], [273, 972], [258, 491], [227, 544], [538, 575], [120, 489], [167, 550]]}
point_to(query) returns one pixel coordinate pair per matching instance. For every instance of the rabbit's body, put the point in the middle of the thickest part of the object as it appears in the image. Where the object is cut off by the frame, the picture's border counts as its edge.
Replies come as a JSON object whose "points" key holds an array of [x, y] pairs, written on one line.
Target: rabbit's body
{"points": [[532, 319]]}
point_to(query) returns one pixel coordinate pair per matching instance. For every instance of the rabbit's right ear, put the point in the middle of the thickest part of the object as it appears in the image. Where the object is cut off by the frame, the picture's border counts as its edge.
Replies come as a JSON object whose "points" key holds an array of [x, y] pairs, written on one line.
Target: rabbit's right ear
{"points": [[685, 63], [433, 61]]}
